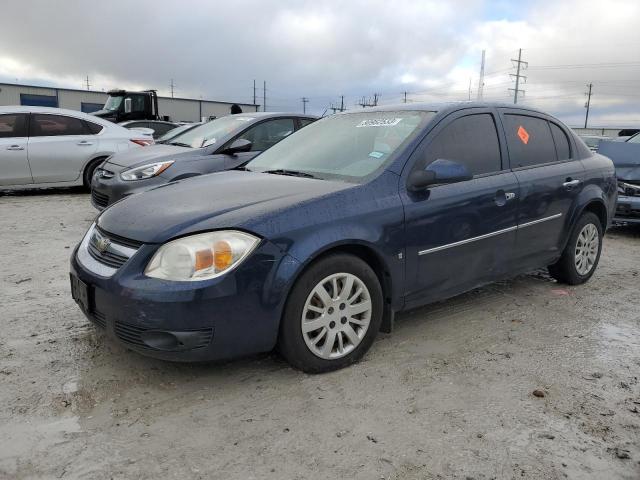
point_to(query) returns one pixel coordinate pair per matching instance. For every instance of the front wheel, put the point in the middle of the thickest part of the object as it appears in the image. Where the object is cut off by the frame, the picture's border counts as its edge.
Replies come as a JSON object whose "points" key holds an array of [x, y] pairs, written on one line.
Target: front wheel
{"points": [[582, 253], [332, 315]]}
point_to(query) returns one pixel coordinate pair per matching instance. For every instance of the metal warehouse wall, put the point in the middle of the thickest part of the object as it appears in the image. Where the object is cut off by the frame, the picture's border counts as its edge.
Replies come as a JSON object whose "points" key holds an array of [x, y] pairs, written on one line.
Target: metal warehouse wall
{"points": [[178, 109]]}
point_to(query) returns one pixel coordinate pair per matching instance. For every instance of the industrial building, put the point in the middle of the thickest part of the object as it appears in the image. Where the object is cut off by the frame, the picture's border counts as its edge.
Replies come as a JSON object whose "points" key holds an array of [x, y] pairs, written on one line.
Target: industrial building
{"points": [[177, 109]]}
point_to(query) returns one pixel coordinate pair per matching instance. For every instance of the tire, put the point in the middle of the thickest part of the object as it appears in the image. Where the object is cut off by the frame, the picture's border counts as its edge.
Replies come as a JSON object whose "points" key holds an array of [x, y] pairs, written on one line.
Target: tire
{"points": [[87, 175], [569, 269], [353, 332]]}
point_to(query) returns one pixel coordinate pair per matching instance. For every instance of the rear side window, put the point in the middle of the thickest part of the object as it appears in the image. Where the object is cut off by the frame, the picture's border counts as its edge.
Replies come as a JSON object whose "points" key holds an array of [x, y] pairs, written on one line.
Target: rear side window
{"points": [[305, 121], [529, 140], [55, 125], [93, 128], [13, 125], [266, 134], [471, 141], [562, 142]]}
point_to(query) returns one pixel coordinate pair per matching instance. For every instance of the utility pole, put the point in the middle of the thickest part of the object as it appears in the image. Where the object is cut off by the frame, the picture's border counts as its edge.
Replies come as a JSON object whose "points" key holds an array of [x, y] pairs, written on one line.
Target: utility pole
{"points": [[517, 75], [172, 85], [588, 105], [264, 97], [304, 104], [254, 92], [87, 82], [375, 99], [469, 89], [405, 97], [481, 81], [342, 103]]}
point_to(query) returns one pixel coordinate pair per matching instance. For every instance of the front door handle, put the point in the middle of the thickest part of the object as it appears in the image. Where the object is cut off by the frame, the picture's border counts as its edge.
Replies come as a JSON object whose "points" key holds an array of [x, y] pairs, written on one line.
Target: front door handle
{"points": [[84, 142], [569, 184], [15, 147]]}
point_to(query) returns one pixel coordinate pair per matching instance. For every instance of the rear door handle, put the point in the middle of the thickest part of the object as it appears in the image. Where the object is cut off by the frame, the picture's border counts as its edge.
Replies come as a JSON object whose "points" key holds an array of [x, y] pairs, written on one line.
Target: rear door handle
{"points": [[84, 142], [571, 183], [15, 147]]}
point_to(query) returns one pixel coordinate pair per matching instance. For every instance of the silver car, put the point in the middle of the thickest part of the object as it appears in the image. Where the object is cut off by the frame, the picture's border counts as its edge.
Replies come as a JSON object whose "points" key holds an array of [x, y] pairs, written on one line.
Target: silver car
{"points": [[52, 147]]}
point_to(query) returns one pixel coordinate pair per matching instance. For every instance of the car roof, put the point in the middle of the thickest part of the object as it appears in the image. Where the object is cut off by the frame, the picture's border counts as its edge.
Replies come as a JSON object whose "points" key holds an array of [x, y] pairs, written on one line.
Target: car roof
{"points": [[442, 107], [54, 111], [128, 122]]}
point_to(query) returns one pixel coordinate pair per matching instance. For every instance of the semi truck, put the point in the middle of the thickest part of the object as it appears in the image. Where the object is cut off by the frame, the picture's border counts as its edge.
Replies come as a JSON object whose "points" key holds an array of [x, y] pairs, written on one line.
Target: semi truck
{"points": [[122, 105]]}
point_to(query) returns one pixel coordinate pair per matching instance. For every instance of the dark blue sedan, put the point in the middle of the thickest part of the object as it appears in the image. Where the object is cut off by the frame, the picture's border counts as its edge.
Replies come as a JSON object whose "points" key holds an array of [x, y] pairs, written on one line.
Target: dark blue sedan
{"points": [[315, 244]]}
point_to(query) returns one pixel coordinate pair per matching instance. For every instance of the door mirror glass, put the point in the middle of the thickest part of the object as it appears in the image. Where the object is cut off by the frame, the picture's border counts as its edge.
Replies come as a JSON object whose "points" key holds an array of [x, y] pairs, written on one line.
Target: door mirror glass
{"points": [[439, 172], [239, 145], [127, 105]]}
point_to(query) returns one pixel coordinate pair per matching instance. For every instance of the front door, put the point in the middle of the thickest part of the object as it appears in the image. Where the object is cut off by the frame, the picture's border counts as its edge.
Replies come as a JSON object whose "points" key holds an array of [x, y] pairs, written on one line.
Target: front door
{"points": [[14, 166], [550, 178], [460, 235], [59, 147]]}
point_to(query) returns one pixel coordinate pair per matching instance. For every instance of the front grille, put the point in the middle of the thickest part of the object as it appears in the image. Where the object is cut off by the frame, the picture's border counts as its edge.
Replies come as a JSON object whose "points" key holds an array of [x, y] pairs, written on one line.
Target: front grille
{"points": [[99, 199], [99, 319], [104, 247], [132, 334]]}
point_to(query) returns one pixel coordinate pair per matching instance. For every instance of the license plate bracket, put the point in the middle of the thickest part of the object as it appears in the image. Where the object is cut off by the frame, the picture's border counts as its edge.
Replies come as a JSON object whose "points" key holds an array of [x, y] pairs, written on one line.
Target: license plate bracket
{"points": [[80, 292]]}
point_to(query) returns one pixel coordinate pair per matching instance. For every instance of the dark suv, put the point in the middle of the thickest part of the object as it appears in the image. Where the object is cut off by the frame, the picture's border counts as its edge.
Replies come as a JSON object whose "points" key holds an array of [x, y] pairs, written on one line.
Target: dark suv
{"points": [[318, 241]]}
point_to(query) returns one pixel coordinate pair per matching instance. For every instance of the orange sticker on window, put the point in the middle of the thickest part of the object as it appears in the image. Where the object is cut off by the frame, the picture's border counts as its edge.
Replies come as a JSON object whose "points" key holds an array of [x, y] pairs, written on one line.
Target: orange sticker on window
{"points": [[523, 134]]}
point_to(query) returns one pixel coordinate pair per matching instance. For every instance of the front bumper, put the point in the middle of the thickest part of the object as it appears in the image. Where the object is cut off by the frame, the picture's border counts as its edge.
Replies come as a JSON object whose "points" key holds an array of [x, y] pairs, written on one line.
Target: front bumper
{"points": [[234, 315], [627, 209], [106, 191]]}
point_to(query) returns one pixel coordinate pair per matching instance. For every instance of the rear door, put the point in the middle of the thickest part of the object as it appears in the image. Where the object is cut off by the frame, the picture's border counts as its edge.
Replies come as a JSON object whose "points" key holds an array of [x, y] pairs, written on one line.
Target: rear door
{"points": [[14, 166], [59, 147], [550, 177], [460, 235]]}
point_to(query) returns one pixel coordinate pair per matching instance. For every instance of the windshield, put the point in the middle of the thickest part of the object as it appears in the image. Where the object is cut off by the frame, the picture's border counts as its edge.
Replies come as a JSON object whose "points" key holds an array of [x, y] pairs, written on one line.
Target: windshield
{"points": [[212, 131], [174, 132], [345, 147], [634, 139], [113, 103]]}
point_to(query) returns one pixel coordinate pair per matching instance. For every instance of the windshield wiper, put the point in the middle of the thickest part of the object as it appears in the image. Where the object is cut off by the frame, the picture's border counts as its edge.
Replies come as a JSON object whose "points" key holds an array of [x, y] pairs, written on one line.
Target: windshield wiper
{"points": [[180, 144], [291, 173]]}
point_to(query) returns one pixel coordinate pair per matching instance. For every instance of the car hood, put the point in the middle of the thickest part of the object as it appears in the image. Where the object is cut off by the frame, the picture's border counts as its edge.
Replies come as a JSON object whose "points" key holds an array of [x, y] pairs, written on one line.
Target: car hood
{"points": [[152, 153], [232, 199], [625, 157]]}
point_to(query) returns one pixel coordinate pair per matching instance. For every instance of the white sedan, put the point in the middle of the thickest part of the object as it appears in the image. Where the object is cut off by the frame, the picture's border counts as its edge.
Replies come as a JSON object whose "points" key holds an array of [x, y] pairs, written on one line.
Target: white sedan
{"points": [[52, 147]]}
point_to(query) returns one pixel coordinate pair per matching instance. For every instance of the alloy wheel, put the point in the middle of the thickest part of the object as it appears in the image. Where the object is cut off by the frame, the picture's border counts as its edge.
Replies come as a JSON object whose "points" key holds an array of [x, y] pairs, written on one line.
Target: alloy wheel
{"points": [[587, 246]]}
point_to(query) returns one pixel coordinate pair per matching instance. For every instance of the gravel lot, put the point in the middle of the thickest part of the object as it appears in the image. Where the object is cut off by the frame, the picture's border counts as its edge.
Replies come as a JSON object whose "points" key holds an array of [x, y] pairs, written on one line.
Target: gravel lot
{"points": [[448, 395]]}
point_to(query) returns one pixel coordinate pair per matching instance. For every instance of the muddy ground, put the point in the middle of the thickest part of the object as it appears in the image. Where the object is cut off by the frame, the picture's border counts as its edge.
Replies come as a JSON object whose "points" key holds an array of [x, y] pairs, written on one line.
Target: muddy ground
{"points": [[447, 395]]}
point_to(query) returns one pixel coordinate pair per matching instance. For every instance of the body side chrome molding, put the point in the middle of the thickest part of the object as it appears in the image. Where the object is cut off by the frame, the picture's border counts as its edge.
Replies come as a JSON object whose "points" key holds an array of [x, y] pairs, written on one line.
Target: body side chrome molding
{"points": [[488, 235]]}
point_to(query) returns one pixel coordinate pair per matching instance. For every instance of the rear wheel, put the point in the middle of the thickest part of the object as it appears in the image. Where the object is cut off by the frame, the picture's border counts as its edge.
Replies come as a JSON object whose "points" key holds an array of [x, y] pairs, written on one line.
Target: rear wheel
{"points": [[582, 253], [332, 315], [87, 175]]}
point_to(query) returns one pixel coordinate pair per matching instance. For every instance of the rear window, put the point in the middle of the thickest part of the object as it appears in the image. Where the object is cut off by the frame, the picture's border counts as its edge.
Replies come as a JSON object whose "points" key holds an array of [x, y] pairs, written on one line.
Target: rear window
{"points": [[13, 125], [529, 140]]}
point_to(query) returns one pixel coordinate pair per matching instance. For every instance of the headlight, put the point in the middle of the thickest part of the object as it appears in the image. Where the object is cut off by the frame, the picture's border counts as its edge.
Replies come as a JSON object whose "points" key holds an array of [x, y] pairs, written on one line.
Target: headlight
{"points": [[145, 171], [202, 256]]}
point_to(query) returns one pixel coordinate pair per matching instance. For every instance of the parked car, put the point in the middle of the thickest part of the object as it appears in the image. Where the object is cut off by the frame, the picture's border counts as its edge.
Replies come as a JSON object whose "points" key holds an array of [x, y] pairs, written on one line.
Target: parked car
{"points": [[159, 127], [626, 158], [318, 241], [592, 141], [179, 130], [224, 143], [52, 147]]}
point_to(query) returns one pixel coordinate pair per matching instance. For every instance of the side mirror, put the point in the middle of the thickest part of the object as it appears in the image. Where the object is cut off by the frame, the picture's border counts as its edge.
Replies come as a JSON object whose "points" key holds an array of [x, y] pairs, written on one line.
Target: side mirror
{"points": [[439, 172], [127, 105], [239, 145]]}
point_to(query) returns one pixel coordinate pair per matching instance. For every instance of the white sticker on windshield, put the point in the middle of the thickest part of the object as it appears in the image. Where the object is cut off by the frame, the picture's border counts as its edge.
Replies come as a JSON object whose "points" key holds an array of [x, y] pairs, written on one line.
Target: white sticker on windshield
{"points": [[379, 122], [376, 154]]}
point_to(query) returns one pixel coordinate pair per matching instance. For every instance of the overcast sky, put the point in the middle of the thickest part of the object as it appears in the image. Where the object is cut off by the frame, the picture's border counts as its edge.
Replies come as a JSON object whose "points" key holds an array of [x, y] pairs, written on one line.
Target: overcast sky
{"points": [[321, 49]]}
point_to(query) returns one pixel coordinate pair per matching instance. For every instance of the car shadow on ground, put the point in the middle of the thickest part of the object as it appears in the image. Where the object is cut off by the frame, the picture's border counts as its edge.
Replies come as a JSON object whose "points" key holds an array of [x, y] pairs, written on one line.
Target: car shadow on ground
{"points": [[32, 192]]}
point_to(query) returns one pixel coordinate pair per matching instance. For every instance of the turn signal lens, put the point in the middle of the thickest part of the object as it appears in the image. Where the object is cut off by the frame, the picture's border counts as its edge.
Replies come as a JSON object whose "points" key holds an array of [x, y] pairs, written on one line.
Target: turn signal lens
{"points": [[202, 256]]}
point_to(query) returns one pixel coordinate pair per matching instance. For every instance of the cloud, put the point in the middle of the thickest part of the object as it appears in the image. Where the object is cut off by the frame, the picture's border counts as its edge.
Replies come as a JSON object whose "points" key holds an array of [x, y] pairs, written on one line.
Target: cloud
{"points": [[323, 49]]}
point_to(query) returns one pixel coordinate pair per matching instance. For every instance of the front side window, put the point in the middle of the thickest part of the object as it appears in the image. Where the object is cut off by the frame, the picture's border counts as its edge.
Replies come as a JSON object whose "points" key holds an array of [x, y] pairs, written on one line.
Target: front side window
{"points": [[266, 134], [13, 125], [348, 147], [55, 125], [529, 140], [471, 140]]}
